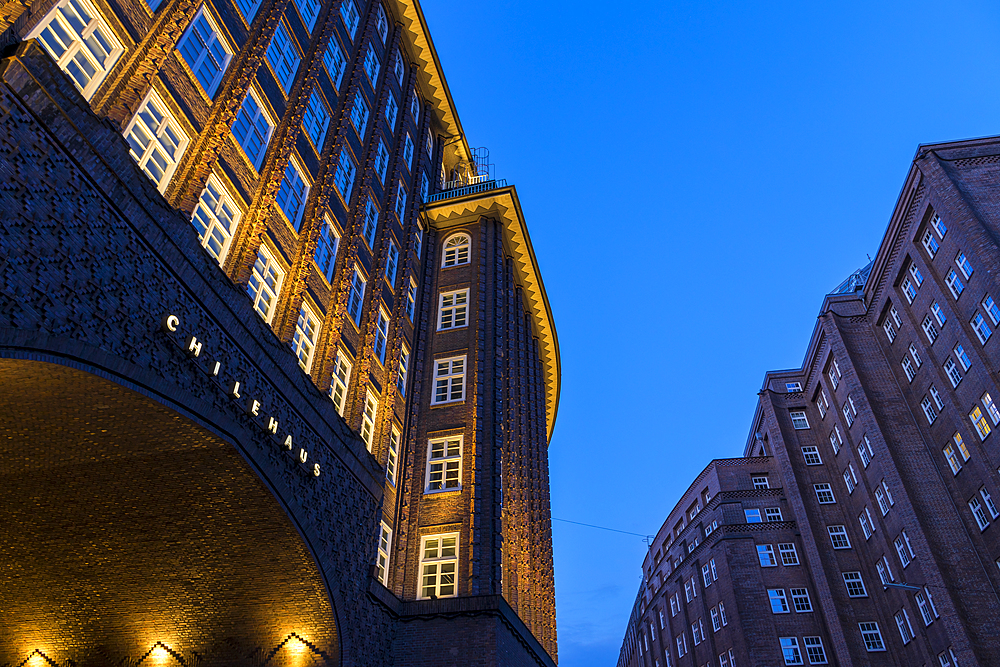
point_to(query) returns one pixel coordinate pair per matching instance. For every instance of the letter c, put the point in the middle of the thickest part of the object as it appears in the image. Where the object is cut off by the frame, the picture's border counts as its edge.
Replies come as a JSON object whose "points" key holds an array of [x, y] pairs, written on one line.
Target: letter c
{"points": [[170, 323]]}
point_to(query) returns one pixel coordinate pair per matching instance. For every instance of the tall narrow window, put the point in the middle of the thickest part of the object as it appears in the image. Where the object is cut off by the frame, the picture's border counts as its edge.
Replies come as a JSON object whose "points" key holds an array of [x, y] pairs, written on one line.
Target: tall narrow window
{"points": [[952, 458], [983, 331], [963, 265], [156, 140], [381, 334], [391, 111], [335, 62], [292, 195], [326, 248], [991, 408], [890, 331], [915, 272], [979, 421], [382, 559], [449, 380], [404, 367], [415, 108], [936, 396], [929, 329], [215, 218], [939, 226], [306, 335], [265, 284], [963, 357], [444, 464], [903, 624], [381, 160], [408, 151], [356, 297], [392, 459], [418, 239], [252, 128], [938, 313], [928, 409], [908, 369], [904, 555], [930, 243], [909, 291], [343, 178], [411, 299], [81, 42], [372, 65], [382, 23], [392, 259], [340, 381], [349, 12], [359, 114], [309, 10], [954, 284], [316, 119], [456, 250], [398, 67], [368, 419], [979, 513], [439, 566], [452, 312], [283, 57], [991, 309], [371, 222], [951, 370], [205, 51], [400, 200]]}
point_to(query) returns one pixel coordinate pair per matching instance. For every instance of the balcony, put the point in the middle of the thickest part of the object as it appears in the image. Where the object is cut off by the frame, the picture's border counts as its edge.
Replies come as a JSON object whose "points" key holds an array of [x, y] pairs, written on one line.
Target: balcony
{"points": [[477, 185]]}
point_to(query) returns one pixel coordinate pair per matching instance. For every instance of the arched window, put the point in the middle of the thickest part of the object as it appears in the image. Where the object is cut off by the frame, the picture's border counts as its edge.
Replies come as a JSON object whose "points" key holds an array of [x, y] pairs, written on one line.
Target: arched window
{"points": [[456, 250]]}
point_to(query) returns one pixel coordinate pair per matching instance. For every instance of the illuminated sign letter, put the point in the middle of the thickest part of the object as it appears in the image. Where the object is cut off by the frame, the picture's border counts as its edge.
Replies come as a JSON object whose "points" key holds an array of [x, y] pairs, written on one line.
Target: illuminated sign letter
{"points": [[234, 389], [169, 323], [272, 425], [303, 455], [315, 470], [194, 347], [287, 444], [215, 369], [254, 407]]}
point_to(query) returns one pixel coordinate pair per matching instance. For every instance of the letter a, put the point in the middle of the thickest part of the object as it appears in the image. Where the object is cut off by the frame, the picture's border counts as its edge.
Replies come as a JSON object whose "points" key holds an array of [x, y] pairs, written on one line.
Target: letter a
{"points": [[287, 444]]}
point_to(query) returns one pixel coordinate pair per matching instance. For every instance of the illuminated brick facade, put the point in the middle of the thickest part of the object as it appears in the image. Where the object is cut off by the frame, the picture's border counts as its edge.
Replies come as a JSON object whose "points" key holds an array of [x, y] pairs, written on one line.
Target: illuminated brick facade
{"points": [[877, 451], [327, 290]]}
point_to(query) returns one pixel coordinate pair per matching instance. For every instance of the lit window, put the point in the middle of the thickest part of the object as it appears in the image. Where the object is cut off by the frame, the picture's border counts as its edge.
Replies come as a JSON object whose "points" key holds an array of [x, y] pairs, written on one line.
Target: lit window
{"points": [[382, 559], [205, 51], [790, 650], [811, 455], [928, 409], [391, 111], [978, 513], [452, 311], [265, 284], [404, 366], [824, 494], [954, 284], [81, 42], [456, 250], [789, 556], [438, 565], [952, 458], [368, 419], [392, 259], [408, 151], [349, 12], [326, 248], [855, 585], [871, 636], [991, 309], [382, 24], [283, 57], [371, 222], [340, 381], [939, 313], [982, 329], [449, 380], [979, 421], [359, 114], [316, 119], [765, 554], [393, 455], [156, 140], [400, 200], [306, 334], [411, 299], [292, 195], [939, 226], [444, 464], [343, 178], [381, 334], [215, 218], [963, 357], [799, 420], [930, 243], [252, 129], [335, 62], [838, 536], [372, 65], [356, 296], [381, 160]]}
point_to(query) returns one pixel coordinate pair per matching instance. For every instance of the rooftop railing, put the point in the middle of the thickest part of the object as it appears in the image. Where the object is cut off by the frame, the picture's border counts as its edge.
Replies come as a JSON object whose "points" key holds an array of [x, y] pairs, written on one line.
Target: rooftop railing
{"points": [[475, 188]]}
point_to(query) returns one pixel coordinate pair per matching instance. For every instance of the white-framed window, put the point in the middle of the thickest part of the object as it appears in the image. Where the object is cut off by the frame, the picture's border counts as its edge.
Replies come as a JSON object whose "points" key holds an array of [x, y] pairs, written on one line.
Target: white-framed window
{"points": [[356, 295], [904, 627], [391, 111], [404, 369], [382, 557], [951, 370], [398, 67], [983, 331], [215, 218], [908, 369], [849, 482], [457, 249], [929, 329], [381, 160], [675, 604], [316, 119], [340, 381], [722, 616], [855, 585], [864, 455], [343, 178], [81, 42], [752, 515], [372, 65], [715, 573], [838, 537], [392, 457], [824, 494], [979, 421], [814, 650], [335, 62], [800, 599], [811, 455], [156, 140], [835, 439], [306, 334], [991, 309], [368, 418], [884, 571], [938, 225], [760, 482], [909, 291], [793, 387], [349, 12], [915, 272], [939, 315], [371, 222], [936, 396], [691, 589], [928, 409], [292, 195], [408, 151], [449, 380], [789, 556], [799, 419], [697, 632], [411, 299], [706, 576], [253, 128], [890, 331], [772, 514], [963, 265], [439, 565], [923, 607], [682, 645], [391, 261], [359, 114], [963, 358], [888, 494], [988, 500], [382, 23], [452, 309], [848, 415], [205, 51], [867, 525], [895, 316], [283, 56], [871, 636], [265, 283], [790, 650], [979, 513], [381, 334], [765, 554], [833, 372], [952, 458], [991, 408], [716, 624], [400, 200], [901, 551], [444, 464], [916, 358], [930, 243], [326, 248], [415, 109], [954, 284]]}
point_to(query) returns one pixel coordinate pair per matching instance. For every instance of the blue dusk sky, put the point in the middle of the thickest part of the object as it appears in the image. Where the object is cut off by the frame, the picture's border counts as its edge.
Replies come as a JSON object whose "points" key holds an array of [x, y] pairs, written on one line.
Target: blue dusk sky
{"points": [[696, 175]]}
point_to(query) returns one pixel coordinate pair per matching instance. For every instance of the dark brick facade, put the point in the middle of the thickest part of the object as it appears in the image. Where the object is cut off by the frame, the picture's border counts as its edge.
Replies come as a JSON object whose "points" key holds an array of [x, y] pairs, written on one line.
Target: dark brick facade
{"points": [[174, 516], [885, 395]]}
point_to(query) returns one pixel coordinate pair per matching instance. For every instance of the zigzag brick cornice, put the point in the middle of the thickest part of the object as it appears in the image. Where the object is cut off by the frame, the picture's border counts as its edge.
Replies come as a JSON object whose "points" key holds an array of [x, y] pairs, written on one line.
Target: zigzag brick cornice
{"points": [[504, 203]]}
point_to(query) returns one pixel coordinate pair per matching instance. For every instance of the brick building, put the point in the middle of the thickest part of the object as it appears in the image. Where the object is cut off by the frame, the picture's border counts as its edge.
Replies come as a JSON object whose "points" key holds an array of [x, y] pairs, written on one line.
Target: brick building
{"points": [[857, 529], [247, 249]]}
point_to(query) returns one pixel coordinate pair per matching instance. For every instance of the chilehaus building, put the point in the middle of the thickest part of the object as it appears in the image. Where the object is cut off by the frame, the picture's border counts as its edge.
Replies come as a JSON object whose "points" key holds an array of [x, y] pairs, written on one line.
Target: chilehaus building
{"points": [[860, 526], [279, 368]]}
